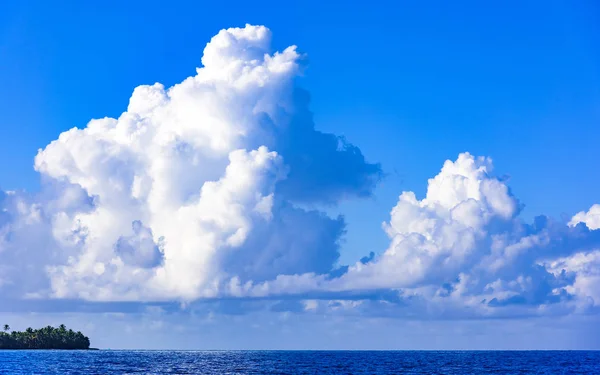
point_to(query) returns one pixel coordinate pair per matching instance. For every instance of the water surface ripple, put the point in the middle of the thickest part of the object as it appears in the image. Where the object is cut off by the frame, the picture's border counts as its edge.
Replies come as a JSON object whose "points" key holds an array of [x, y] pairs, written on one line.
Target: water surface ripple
{"points": [[298, 362]]}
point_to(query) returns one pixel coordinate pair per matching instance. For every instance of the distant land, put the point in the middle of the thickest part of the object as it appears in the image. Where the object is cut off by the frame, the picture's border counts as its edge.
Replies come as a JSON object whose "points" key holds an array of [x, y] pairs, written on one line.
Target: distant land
{"points": [[44, 338]]}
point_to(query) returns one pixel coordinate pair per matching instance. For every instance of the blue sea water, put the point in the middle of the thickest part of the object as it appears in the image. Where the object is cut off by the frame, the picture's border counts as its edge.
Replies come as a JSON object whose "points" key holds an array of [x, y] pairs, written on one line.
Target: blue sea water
{"points": [[298, 362]]}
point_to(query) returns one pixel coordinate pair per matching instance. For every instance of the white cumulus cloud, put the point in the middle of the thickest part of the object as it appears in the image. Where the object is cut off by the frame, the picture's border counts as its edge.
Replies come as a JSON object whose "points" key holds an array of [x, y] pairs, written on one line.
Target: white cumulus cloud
{"points": [[464, 246], [193, 188], [591, 218]]}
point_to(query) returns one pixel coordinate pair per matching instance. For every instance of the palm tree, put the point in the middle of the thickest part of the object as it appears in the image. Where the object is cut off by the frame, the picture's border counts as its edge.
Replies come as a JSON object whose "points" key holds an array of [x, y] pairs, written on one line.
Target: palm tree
{"points": [[44, 338], [6, 328]]}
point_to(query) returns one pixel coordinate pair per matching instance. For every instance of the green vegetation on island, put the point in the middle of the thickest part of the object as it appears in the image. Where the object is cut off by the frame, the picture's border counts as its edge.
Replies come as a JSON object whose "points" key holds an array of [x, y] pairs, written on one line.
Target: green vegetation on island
{"points": [[43, 338]]}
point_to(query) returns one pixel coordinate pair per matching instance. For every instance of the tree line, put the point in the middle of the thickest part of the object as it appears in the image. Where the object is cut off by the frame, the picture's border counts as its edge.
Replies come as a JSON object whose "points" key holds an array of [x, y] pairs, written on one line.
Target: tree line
{"points": [[43, 338]]}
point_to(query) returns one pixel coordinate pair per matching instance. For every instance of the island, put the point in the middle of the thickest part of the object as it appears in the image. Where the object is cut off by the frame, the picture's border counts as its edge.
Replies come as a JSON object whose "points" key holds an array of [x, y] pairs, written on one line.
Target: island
{"points": [[44, 338]]}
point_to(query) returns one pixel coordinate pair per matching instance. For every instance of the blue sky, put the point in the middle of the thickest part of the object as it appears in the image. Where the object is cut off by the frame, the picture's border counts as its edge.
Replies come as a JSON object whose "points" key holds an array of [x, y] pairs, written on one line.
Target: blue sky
{"points": [[411, 85]]}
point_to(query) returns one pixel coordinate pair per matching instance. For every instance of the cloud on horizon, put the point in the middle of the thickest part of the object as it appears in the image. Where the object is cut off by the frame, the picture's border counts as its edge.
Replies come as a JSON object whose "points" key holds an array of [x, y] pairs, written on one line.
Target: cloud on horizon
{"points": [[213, 190]]}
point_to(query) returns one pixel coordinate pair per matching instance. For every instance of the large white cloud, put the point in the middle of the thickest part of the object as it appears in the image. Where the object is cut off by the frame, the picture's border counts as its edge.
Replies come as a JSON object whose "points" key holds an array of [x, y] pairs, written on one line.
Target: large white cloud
{"points": [[192, 186]]}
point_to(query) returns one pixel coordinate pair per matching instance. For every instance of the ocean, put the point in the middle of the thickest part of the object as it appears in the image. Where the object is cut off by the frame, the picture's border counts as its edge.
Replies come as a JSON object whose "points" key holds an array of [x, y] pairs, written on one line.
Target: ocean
{"points": [[298, 362]]}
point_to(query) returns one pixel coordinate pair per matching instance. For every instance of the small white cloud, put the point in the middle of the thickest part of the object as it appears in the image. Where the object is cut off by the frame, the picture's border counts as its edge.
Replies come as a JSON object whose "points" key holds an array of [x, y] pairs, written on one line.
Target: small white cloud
{"points": [[591, 218]]}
